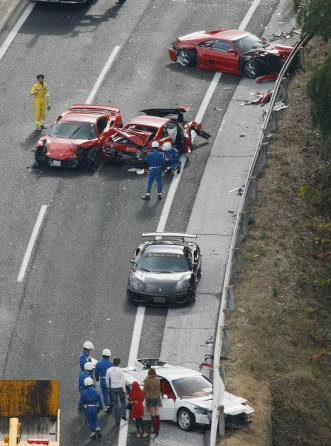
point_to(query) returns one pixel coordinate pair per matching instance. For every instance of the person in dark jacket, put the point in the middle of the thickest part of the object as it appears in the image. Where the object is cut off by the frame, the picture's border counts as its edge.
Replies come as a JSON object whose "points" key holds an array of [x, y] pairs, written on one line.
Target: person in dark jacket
{"points": [[152, 395], [136, 400], [155, 163], [91, 401], [100, 376]]}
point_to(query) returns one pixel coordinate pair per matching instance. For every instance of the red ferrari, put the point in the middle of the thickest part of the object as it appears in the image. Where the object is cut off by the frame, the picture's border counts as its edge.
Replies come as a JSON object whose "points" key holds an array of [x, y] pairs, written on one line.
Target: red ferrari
{"points": [[159, 124], [229, 51], [78, 136]]}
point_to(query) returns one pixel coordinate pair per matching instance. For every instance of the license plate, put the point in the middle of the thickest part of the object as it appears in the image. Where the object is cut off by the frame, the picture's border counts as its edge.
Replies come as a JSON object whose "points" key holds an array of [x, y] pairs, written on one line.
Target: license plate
{"points": [[56, 163], [159, 300]]}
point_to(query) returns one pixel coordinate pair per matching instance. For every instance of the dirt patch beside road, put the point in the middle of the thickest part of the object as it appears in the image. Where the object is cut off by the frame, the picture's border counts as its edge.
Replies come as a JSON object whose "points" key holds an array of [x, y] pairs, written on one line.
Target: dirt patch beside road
{"points": [[280, 331]]}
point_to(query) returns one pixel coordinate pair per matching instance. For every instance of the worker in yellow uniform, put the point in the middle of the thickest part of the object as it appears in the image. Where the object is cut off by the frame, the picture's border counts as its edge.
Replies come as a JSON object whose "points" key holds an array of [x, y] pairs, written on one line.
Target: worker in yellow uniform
{"points": [[39, 91]]}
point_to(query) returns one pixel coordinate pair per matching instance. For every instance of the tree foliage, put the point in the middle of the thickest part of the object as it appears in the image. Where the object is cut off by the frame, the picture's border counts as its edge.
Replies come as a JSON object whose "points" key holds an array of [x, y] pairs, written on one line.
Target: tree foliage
{"points": [[314, 16], [319, 90]]}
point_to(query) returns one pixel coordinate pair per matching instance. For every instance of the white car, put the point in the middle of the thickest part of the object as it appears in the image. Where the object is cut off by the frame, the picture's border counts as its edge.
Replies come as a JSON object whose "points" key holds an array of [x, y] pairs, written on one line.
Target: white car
{"points": [[187, 395]]}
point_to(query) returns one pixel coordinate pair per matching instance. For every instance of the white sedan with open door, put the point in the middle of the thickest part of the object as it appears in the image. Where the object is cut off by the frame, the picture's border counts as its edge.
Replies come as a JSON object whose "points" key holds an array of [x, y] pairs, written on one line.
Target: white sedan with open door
{"points": [[187, 395]]}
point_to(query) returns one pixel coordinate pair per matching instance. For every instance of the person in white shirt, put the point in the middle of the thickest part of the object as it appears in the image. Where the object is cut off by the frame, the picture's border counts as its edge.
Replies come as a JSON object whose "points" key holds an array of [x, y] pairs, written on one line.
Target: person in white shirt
{"points": [[115, 381]]}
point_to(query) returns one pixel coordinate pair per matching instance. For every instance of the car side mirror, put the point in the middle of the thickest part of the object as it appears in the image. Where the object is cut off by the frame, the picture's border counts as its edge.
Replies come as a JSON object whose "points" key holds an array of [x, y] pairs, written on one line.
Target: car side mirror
{"points": [[165, 397], [132, 261], [231, 51]]}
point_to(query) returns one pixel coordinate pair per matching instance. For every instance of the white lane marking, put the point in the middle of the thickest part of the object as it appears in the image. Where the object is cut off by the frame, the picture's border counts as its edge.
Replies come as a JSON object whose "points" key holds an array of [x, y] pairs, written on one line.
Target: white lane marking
{"points": [[136, 335], [123, 433], [102, 75], [31, 243], [13, 33], [249, 14]]}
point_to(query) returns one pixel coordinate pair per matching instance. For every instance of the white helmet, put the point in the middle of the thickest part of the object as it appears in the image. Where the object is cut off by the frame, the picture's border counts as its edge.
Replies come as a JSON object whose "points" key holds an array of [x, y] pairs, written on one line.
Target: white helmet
{"points": [[106, 352], [155, 145], [166, 146], [88, 345], [88, 382], [89, 366]]}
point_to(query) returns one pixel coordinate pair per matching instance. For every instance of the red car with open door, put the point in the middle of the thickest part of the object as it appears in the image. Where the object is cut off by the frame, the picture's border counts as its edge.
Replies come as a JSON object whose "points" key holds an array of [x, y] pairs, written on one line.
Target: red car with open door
{"points": [[78, 136], [160, 124], [229, 51]]}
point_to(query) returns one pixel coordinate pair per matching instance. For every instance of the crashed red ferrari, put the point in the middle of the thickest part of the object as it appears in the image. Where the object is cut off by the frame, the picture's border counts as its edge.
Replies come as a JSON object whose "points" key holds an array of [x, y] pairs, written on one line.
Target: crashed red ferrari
{"points": [[160, 124], [78, 136], [229, 51]]}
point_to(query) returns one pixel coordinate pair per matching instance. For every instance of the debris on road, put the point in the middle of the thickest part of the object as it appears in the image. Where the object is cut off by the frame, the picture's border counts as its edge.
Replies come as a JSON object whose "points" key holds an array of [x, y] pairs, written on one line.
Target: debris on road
{"points": [[261, 99], [137, 170], [284, 34]]}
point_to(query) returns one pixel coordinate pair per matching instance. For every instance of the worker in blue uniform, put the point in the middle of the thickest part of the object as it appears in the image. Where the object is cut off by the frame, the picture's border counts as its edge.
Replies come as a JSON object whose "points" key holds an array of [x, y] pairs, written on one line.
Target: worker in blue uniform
{"points": [[91, 401], [85, 356], [172, 158], [155, 162], [100, 376], [86, 373]]}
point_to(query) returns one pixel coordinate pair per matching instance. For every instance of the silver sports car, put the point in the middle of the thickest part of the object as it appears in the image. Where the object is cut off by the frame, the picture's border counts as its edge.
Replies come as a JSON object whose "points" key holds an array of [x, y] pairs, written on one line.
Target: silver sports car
{"points": [[166, 269]]}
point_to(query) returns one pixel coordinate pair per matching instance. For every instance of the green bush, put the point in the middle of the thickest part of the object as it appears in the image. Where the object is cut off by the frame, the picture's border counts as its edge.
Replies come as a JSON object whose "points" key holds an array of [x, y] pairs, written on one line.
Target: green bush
{"points": [[314, 16], [319, 90]]}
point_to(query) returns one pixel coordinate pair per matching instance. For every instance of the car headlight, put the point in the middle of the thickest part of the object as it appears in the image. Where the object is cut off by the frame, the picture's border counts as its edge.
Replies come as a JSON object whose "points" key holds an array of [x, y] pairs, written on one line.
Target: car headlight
{"points": [[183, 284], [202, 411], [137, 283]]}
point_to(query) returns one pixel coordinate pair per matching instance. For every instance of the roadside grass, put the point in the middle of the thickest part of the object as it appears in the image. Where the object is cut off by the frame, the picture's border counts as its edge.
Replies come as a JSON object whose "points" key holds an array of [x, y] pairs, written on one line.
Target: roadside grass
{"points": [[280, 334]]}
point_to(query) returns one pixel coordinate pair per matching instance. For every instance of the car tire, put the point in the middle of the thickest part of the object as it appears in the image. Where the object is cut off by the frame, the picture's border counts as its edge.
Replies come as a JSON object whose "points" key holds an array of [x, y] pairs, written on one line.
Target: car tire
{"points": [[187, 58], [93, 159], [252, 69], [41, 157], [185, 419], [199, 274]]}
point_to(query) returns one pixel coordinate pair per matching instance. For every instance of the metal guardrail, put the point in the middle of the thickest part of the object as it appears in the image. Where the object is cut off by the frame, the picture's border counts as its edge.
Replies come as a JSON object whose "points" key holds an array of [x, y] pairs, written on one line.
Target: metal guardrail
{"points": [[259, 162]]}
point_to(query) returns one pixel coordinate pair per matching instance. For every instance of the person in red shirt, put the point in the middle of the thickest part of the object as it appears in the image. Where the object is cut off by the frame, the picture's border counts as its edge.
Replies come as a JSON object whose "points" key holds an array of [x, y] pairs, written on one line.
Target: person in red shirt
{"points": [[136, 399]]}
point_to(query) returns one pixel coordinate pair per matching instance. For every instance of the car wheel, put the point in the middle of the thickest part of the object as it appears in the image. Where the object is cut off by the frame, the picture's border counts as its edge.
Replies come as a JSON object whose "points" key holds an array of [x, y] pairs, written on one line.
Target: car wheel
{"points": [[199, 274], [187, 58], [41, 157], [93, 158], [252, 69], [185, 419]]}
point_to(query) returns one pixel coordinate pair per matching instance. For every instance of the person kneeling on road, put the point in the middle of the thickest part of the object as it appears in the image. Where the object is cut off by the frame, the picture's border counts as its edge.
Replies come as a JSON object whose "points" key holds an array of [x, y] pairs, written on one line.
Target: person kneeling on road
{"points": [[172, 158], [100, 375], [91, 401], [155, 162]]}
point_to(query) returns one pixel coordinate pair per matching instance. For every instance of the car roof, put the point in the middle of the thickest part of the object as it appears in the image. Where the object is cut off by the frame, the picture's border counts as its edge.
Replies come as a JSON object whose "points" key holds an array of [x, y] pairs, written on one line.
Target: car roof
{"points": [[153, 121], [231, 34], [167, 371], [80, 117], [163, 247]]}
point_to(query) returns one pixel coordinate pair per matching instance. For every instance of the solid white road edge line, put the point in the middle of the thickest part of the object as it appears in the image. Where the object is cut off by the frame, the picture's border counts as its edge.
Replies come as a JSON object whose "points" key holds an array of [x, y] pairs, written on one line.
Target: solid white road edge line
{"points": [[32, 242], [13, 33], [102, 75]]}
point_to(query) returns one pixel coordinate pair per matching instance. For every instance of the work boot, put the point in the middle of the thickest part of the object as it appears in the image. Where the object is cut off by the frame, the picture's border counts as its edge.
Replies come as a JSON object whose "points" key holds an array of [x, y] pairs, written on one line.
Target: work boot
{"points": [[98, 431], [146, 197], [93, 435], [159, 196]]}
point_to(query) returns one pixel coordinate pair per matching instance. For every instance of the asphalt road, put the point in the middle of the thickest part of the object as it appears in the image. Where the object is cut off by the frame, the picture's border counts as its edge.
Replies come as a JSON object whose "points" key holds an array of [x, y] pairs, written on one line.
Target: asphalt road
{"points": [[75, 287]]}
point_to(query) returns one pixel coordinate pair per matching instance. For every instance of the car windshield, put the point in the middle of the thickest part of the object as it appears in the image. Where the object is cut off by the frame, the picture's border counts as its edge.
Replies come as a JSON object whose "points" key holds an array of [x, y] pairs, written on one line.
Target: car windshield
{"points": [[73, 130], [160, 262], [192, 386], [249, 43]]}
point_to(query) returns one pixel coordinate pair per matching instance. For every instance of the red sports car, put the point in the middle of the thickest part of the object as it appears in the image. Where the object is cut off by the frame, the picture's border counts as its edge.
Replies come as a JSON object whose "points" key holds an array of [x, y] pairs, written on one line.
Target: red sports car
{"points": [[229, 51], [162, 125], [77, 136]]}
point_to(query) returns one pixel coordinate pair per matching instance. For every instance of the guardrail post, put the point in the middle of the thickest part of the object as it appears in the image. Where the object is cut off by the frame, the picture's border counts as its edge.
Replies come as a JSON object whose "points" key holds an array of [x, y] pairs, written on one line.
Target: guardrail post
{"points": [[284, 90], [252, 188], [225, 340], [301, 58], [222, 373], [273, 122], [237, 260], [221, 422], [231, 303], [244, 223]]}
